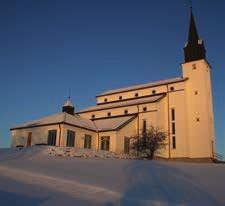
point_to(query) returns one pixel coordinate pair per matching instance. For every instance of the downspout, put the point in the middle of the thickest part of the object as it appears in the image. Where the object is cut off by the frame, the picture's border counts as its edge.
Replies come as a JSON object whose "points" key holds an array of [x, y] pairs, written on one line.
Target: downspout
{"points": [[97, 134], [168, 113], [138, 133], [98, 139]]}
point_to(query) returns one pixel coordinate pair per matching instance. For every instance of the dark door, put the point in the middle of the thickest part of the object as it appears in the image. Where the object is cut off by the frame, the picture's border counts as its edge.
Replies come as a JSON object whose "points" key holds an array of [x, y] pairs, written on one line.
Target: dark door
{"points": [[126, 145], [105, 143], [29, 137]]}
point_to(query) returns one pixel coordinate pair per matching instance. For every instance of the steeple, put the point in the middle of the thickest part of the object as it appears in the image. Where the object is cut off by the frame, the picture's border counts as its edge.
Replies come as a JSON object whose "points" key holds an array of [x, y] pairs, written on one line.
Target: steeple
{"points": [[194, 49]]}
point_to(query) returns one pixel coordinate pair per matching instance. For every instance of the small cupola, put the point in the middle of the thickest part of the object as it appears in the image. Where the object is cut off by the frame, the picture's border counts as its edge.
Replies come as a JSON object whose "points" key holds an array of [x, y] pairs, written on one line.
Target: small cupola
{"points": [[68, 106]]}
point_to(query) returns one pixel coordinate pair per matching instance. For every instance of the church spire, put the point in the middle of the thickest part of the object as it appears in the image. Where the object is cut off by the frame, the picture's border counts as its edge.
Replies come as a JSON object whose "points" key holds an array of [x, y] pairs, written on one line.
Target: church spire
{"points": [[194, 48], [193, 33]]}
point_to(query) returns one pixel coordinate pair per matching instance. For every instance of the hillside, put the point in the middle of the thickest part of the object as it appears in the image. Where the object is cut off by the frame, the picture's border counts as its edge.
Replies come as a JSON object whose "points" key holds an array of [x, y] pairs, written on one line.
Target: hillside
{"points": [[35, 178]]}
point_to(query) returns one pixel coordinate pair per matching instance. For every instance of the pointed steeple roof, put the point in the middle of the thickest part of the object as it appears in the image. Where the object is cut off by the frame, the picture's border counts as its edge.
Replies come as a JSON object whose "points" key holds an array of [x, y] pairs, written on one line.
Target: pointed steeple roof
{"points": [[194, 48], [193, 33]]}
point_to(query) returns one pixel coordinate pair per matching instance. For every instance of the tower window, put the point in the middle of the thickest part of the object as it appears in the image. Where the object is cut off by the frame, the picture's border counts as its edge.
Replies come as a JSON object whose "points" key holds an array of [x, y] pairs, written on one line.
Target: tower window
{"points": [[173, 128], [194, 66], [153, 91], [126, 111], [120, 97], [173, 114], [174, 142], [105, 100], [109, 114], [144, 109], [93, 116], [136, 95], [144, 126], [196, 92], [198, 119], [172, 88]]}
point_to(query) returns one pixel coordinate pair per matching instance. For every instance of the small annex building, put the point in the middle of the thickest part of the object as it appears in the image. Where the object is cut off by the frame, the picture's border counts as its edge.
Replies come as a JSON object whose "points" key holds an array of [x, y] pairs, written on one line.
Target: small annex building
{"points": [[181, 106]]}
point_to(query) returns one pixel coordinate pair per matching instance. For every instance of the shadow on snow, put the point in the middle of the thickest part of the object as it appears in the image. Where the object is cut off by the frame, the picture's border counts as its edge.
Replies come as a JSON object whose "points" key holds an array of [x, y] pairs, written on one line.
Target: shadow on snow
{"points": [[157, 183]]}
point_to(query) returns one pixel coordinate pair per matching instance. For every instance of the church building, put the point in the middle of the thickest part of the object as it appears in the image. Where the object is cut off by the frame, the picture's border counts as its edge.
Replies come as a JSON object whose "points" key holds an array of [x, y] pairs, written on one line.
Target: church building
{"points": [[181, 106]]}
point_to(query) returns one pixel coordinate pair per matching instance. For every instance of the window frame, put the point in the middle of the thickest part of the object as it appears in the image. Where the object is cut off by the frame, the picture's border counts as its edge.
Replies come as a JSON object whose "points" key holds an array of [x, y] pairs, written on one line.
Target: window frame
{"points": [[52, 137], [87, 141], [70, 138]]}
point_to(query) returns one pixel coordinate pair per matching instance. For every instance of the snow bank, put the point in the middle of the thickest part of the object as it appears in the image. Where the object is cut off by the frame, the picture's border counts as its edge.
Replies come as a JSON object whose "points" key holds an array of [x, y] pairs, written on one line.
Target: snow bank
{"points": [[61, 152], [86, 153], [45, 176]]}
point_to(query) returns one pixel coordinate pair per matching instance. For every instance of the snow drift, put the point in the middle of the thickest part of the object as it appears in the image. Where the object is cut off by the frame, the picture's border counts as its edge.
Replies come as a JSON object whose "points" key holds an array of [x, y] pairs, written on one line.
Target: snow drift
{"points": [[40, 176]]}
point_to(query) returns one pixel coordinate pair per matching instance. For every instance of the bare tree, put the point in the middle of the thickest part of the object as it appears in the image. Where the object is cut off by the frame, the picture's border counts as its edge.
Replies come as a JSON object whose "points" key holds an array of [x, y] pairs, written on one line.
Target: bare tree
{"points": [[149, 141]]}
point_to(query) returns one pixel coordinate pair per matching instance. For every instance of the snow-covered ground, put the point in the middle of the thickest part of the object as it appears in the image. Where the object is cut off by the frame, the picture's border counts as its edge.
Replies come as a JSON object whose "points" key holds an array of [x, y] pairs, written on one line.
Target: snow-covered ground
{"points": [[42, 176]]}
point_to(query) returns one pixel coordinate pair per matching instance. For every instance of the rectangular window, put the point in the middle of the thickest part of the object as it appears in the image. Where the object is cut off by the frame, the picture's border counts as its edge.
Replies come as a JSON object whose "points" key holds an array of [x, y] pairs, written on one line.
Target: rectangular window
{"points": [[87, 141], [126, 145], [52, 137], [144, 126], [70, 138], [173, 114], [174, 142], [173, 128], [105, 141]]}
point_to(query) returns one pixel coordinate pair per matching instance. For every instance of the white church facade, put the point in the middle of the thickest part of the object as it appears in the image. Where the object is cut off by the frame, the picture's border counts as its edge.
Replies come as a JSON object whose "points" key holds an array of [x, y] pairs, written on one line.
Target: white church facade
{"points": [[180, 106]]}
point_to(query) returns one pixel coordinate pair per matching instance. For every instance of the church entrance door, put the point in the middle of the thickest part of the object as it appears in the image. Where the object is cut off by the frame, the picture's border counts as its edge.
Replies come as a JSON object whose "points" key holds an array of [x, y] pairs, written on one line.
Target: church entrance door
{"points": [[29, 139]]}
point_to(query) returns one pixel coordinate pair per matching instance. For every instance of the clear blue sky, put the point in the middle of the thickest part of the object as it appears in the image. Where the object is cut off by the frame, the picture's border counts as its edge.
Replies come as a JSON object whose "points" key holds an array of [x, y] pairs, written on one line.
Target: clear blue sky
{"points": [[91, 46]]}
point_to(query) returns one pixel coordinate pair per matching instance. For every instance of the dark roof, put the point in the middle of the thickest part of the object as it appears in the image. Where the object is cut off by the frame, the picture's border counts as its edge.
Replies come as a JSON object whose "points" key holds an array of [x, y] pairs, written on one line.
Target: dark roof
{"points": [[193, 33], [194, 48]]}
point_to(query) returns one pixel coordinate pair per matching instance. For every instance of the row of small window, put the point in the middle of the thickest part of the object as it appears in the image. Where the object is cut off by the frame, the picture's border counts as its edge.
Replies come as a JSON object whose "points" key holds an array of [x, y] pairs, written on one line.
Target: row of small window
{"points": [[105, 140], [70, 142], [137, 95], [125, 112], [173, 124]]}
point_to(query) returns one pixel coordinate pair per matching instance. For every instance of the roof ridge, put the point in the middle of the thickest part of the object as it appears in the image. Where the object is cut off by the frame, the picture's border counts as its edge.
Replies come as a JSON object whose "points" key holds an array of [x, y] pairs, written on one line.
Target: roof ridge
{"points": [[139, 86]]}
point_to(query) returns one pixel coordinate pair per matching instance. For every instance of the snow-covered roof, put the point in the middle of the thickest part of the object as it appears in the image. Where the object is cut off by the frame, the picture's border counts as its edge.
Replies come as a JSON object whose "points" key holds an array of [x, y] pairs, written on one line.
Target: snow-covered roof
{"points": [[68, 103], [103, 124], [112, 123], [59, 118], [123, 103], [142, 86]]}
